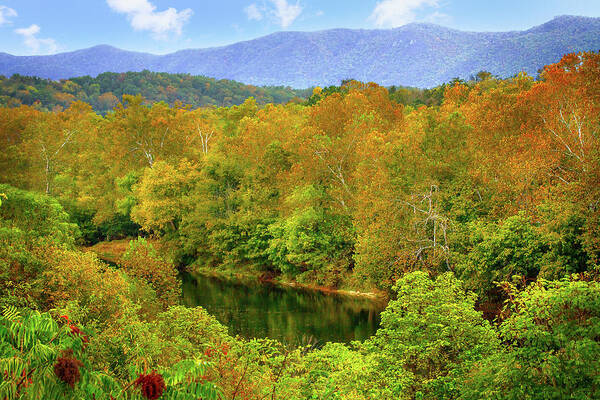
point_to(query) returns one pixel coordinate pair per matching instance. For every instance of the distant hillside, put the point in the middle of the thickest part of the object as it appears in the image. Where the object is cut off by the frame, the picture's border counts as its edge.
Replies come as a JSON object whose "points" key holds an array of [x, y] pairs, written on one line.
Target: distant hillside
{"points": [[421, 55], [107, 89]]}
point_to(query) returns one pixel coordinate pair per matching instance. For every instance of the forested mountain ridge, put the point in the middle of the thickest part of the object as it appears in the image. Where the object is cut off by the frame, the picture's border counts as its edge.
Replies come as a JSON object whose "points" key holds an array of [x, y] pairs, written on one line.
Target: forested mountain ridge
{"points": [[106, 90], [420, 55]]}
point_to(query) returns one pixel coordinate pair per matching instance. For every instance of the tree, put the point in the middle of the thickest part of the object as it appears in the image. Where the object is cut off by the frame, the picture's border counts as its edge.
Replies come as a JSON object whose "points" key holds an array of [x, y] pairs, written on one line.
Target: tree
{"points": [[39, 216], [163, 196], [53, 142], [142, 135], [14, 165], [497, 252], [430, 336], [312, 240], [566, 107]]}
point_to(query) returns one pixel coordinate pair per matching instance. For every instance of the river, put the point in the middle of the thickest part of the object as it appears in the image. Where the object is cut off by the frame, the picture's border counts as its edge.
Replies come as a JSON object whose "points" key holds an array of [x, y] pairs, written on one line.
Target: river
{"points": [[253, 309]]}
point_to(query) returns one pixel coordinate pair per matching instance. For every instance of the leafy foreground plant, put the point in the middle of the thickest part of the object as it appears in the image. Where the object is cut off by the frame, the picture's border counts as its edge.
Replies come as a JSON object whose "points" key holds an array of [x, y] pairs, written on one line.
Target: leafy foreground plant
{"points": [[430, 336], [41, 358], [552, 339]]}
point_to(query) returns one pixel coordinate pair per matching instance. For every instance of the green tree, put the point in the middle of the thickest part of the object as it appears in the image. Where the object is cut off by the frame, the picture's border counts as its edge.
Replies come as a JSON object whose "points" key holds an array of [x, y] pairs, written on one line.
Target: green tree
{"points": [[499, 251], [311, 240], [38, 215], [430, 336]]}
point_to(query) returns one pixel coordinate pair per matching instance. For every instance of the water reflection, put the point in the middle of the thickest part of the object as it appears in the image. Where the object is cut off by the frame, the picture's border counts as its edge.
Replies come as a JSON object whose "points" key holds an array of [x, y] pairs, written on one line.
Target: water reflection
{"points": [[255, 309]]}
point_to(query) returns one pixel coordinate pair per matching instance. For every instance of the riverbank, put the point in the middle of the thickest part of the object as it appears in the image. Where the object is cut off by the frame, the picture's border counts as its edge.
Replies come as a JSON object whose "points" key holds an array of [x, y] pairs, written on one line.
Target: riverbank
{"points": [[250, 274], [110, 252], [113, 250]]}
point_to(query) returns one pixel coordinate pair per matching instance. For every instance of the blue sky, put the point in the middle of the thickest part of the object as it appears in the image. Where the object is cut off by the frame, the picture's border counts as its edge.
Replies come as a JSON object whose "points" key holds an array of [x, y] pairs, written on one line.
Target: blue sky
{"points": [[161, 26]]}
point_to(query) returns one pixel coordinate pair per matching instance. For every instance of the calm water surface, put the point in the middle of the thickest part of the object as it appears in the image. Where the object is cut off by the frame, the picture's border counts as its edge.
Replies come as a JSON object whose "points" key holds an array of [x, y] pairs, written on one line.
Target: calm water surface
{"points": [[292, 315]]}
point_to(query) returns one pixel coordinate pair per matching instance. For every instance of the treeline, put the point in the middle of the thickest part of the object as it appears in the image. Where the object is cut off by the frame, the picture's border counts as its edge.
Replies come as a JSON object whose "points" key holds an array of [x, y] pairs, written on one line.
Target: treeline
{"points": [[408, 96], [488, 201], [405, 95], [105, 91]]}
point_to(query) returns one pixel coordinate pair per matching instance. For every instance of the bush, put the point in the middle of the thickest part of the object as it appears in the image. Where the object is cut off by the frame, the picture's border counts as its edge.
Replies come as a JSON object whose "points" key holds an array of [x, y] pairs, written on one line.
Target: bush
{"points": [[141, 261], [43, 359], [335, 371], [73, 276], [553, 349]]}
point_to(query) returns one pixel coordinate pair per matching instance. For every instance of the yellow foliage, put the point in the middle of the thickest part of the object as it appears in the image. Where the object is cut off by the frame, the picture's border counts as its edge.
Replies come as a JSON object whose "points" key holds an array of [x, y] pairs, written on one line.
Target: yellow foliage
{"points": [[74, 276]]}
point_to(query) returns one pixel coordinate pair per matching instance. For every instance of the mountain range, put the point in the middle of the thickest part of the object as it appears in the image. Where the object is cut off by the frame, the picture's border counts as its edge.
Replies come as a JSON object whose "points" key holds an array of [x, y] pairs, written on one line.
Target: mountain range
{"points": [[417, 54]]}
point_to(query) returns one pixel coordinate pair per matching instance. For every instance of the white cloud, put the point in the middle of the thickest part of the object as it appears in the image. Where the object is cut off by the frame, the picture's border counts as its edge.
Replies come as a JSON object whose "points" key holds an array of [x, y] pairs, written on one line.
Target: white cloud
{"points": [[286, 13], [35, 44], [320, 13], [253, 12], [131, 6], [438, 18], [392, 13], [31, 31], [279, 12], [5, 14], [143, 17]]}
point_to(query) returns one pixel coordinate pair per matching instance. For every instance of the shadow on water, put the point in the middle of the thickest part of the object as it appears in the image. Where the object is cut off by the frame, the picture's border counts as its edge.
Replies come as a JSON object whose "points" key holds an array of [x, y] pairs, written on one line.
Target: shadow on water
{"points": [[254, 309]]}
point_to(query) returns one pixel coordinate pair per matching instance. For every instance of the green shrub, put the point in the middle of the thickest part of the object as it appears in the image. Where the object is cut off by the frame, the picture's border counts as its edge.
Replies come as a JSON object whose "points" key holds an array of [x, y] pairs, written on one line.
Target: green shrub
{"points": [[553, 349]]}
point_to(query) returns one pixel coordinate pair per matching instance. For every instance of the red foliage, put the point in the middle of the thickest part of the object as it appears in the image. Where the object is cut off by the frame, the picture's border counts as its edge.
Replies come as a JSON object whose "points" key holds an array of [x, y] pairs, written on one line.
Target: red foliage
{"points": [[67, 368], [224, 349], [152, 385], [76, 331], [26, 381]]}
